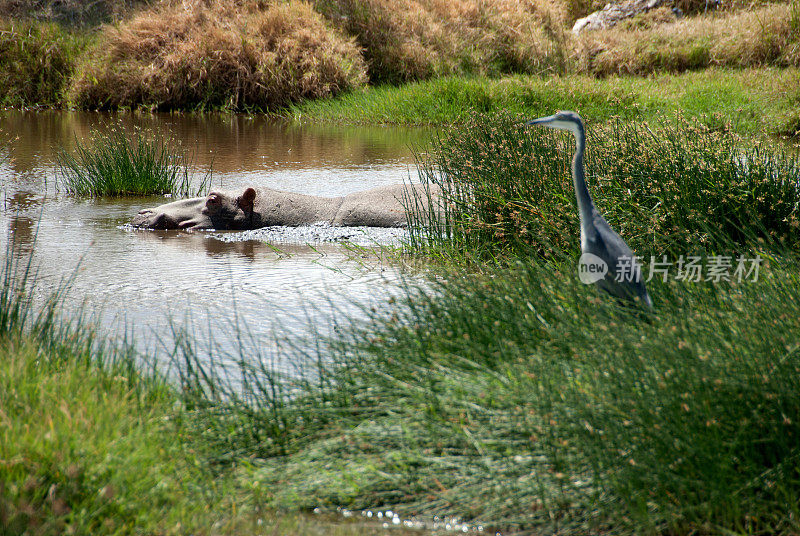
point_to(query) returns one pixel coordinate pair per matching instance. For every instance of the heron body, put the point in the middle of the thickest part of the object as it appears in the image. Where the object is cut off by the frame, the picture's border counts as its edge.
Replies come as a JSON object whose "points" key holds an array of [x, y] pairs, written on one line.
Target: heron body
{"points": [[623, 278]]}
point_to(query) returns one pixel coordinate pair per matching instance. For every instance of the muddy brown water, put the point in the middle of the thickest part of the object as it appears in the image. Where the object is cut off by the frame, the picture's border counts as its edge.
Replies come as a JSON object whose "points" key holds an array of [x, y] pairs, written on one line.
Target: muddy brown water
{"points": [[226, 293]]}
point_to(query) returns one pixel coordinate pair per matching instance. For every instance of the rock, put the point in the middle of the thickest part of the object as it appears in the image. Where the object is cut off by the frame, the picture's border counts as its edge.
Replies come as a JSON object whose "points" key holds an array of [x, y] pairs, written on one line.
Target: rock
{"points": [[611, 14]]}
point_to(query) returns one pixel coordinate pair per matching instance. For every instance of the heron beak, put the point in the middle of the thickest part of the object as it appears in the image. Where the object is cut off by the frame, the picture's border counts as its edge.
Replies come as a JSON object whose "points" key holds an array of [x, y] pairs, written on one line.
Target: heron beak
{"points": [[542, 120]]}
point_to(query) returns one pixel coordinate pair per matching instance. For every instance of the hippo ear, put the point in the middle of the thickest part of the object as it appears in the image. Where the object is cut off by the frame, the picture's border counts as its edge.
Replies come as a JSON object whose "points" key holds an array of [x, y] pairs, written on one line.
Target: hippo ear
{"points": [[212, 199], [245, 201]]}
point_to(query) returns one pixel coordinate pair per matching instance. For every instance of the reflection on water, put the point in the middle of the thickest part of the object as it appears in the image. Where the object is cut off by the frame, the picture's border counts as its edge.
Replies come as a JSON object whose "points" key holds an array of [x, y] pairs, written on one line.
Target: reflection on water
{"points": [[234, 143], [151, 283]]}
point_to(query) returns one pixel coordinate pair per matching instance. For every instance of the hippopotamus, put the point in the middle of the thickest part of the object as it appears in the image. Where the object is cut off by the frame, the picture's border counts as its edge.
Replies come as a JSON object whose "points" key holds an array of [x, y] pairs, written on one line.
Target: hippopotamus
{"points": [[254, 208]]}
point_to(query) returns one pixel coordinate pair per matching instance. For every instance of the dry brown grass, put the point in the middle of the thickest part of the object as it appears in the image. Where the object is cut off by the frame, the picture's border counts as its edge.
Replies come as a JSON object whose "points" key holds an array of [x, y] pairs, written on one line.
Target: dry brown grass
{"points": [[72, 12], [576, 9], [217, 53], [766, 35], [693, 7], [245, 54], [417, 39]]}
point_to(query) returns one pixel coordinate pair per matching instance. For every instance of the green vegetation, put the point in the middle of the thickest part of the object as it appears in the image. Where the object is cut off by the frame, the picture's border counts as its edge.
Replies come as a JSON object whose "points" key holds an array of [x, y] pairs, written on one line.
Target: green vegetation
{"points": [[669, 187], [520, 398], [751, 100], [254, 55], [37, 62], [525, 400], [90, 443], [84, 440], [115, 165]]}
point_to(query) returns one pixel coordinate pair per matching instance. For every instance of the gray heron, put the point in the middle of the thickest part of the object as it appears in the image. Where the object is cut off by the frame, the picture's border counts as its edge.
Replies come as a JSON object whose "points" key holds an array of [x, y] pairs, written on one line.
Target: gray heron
{"points": [[606, 260]]}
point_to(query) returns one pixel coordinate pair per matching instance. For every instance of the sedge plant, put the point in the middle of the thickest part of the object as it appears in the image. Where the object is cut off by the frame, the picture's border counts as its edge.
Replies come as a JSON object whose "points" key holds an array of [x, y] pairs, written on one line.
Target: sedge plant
{"points": [[516, 397], [116, 165], [668, 186]]}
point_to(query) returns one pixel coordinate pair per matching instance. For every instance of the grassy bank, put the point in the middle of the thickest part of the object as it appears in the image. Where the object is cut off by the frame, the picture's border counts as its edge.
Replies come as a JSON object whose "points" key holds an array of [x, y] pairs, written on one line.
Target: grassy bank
{"points": [[750, 100], [85, 442], [89, 443], [251, 55], [518, 397], [524, 400], [92, 442]]}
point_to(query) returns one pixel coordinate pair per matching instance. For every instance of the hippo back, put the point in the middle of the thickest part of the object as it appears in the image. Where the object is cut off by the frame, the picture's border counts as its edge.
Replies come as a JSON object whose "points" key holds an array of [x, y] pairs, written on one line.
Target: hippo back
{"points": [[277, 207], [385, 206]]}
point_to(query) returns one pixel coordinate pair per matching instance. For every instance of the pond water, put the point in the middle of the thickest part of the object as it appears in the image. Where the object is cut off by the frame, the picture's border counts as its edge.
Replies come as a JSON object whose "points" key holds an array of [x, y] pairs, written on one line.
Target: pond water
{"points": [[225, 291]]}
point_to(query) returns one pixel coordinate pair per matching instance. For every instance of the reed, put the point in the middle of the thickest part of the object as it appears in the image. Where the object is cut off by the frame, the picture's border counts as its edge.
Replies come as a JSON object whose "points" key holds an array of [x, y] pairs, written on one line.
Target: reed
{"points": [[525, 401], [666, 187], [511, 395], [114, 164]]}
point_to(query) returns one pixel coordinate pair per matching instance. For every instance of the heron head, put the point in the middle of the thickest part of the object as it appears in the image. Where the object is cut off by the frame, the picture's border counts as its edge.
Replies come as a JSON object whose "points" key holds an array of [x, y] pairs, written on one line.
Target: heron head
{"points": [[562, 120]]}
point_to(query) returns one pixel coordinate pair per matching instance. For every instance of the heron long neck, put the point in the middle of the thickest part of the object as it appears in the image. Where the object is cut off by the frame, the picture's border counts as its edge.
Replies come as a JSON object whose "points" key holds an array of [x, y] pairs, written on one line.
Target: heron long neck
{"points": [[585, 204]]}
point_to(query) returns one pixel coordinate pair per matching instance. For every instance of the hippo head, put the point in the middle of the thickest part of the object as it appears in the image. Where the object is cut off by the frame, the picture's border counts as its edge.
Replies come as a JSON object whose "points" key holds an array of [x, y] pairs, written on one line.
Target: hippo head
{"points": [[218, 210]]}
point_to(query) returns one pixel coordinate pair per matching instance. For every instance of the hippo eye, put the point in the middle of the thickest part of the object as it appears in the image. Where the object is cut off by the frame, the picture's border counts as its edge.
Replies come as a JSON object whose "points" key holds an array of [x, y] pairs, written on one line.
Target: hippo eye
{"points": [[213, 199]]}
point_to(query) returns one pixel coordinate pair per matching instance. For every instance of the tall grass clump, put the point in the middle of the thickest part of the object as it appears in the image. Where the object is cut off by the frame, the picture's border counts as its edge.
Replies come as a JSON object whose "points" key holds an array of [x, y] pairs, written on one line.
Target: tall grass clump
{"points": [[230, 55], [761, 36], [37, 61], [666, 187], [73, 408], [523, 400], [412, 40], [114, 164], [74, 13]]}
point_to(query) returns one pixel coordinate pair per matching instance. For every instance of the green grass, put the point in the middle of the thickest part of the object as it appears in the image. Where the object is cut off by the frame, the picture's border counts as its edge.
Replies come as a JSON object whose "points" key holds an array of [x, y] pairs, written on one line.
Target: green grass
{"points": [[87, 441], [519, 398], [669, 187], [115, 165], [525, 400], [751, 100], [37, 61], [93, 442]]}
